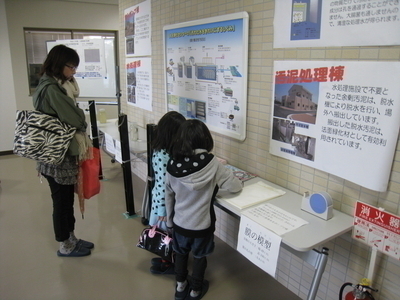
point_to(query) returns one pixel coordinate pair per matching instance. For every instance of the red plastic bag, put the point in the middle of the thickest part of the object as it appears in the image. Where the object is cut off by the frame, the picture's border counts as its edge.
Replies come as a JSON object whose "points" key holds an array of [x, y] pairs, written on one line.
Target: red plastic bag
{"points": [[90, 175], [88, 183]]}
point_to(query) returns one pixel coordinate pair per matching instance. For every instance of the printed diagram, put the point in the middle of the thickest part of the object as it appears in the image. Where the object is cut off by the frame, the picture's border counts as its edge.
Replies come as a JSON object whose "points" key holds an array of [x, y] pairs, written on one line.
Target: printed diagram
{"points": [[137, 25], [206, 72], [138, 79], [376, 237], [211, 80], [360, 230], [297, 144], [306, 19], [295, 108], [391, 245], [131, 85], [298, 102], [130, 33]]}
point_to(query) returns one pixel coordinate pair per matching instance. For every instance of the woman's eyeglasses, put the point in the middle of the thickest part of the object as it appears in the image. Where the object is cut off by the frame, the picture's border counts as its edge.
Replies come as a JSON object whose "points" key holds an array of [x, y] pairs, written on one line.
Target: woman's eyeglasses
{"points": [[72, 67]]}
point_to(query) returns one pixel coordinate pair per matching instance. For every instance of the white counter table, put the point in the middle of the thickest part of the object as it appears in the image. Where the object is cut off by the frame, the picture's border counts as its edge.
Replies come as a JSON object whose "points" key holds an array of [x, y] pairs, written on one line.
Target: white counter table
{"points": [[303, 241]]}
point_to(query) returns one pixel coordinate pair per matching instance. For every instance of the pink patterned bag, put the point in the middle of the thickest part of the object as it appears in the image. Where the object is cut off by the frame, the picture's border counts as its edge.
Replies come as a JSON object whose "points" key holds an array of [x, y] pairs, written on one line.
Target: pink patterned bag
{"points": [[156, 241]]}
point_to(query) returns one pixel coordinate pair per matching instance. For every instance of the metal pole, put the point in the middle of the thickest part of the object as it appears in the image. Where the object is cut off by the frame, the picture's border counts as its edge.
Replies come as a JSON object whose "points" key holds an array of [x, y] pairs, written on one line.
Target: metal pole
{"points": [[150, 128], [372, 265], [118, 89], [126, 163], [146, 205], [319, 271], [95, 131]]}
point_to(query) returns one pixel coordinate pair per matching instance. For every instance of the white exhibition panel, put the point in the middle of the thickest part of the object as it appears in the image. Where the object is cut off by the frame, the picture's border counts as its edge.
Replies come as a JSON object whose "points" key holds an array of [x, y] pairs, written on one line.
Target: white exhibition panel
{"points": [[206, 71]]}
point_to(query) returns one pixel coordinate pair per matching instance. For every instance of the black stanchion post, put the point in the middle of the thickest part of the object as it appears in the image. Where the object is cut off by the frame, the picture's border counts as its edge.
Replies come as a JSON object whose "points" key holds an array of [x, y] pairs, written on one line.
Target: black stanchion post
{"points": [[150, 128], [146, 206], [95, 131], [126, 163]]}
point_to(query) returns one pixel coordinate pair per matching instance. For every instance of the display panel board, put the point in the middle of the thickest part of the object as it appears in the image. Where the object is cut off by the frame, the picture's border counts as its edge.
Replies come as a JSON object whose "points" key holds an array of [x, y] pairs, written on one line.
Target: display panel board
{"points": [[206, 71], [341, 117]]}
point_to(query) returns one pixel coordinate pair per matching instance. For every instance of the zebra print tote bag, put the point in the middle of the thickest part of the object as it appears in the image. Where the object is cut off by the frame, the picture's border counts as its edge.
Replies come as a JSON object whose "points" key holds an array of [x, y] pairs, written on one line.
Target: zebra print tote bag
{"points": [[41, 137]]}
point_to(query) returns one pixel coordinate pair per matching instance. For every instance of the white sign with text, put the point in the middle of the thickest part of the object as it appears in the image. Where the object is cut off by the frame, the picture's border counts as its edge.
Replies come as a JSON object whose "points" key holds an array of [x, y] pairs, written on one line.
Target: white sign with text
{"points": [[259, 245]]}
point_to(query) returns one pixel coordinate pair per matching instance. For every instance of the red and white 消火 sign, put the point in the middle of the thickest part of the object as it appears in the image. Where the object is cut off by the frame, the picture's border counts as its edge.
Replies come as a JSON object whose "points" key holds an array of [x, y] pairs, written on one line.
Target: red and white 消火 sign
{"points": [[377, 228]]}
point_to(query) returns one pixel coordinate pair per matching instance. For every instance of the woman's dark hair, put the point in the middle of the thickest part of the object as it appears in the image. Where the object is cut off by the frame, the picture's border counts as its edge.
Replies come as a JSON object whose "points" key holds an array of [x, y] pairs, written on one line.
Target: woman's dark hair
{"points": [[192, 134], [55, 62], [166, 130]]}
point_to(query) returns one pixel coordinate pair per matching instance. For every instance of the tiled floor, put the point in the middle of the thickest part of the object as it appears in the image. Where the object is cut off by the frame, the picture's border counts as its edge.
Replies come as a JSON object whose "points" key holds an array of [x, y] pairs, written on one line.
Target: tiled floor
{"points": [[116, 269]]}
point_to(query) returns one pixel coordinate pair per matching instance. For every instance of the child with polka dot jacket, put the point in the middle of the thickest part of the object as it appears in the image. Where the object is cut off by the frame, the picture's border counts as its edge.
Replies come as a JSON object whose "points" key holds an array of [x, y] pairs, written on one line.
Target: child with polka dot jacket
{"points": [[163, 137], [194, 176]]}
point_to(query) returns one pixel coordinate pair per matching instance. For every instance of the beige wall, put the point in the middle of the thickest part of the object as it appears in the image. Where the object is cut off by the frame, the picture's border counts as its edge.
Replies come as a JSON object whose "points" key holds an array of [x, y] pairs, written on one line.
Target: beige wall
{"points": [[348, 260]]}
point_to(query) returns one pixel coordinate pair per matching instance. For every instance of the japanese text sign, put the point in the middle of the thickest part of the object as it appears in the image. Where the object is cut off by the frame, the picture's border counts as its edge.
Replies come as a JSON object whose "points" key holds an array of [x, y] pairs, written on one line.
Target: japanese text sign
{"points": [[259, 245], [337, 116], [139, 82], [377, 228], [137, 20]]}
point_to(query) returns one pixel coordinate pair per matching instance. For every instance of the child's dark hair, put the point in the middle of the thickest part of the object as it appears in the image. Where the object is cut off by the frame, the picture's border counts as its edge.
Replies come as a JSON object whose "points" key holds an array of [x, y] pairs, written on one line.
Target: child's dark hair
{"points": [[166, 129], [193, 134], [58, 57]]}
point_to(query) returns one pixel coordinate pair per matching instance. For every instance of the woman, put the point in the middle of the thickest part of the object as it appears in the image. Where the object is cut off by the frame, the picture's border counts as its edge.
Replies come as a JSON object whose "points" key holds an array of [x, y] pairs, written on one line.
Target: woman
{"points": [[55, 95]]}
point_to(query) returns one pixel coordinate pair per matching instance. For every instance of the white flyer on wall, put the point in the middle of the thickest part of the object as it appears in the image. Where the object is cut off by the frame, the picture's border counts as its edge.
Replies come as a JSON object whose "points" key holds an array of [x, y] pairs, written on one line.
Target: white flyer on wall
{"points": [[138, 29], [317, 23], [259, 245], [139, 82], [341, 117]]}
